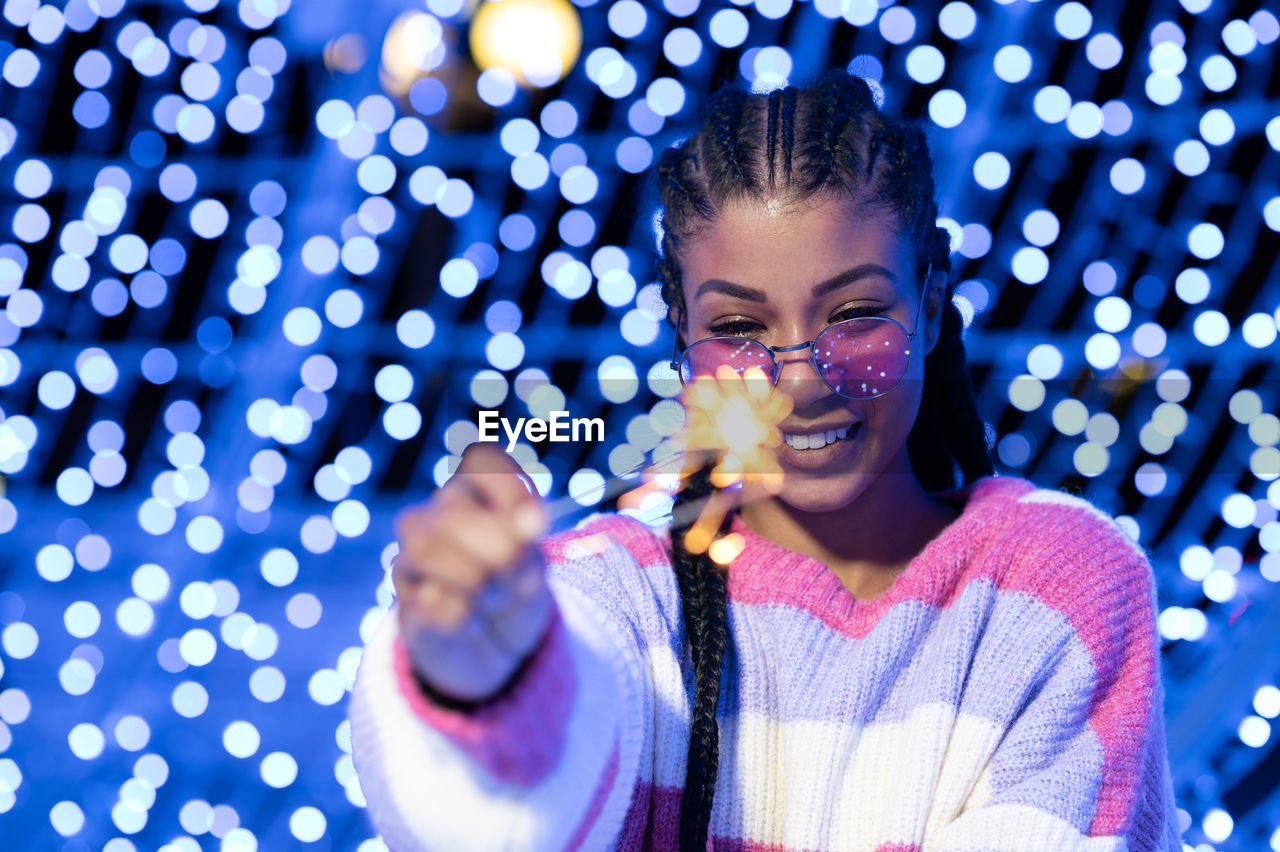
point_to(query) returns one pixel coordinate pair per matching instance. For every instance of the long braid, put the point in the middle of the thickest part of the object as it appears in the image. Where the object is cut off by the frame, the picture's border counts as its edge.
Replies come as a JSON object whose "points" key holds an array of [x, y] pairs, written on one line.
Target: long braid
{"points": [[704, 608], [701, 583], [830, 138], [949, 430]]}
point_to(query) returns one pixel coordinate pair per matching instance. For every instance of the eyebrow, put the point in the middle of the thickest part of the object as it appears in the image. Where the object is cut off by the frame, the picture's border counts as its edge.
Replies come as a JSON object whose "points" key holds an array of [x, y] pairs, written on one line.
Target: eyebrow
{"points": [[835, 282]]}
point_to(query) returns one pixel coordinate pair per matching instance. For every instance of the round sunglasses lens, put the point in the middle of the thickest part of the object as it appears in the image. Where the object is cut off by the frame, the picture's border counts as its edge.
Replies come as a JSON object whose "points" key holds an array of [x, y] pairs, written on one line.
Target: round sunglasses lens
{"points": [[704, 357], [863, 358]]}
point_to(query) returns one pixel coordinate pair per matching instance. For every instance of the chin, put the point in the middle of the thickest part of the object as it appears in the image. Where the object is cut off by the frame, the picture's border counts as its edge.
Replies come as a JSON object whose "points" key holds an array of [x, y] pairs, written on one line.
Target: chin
{"points": [[826, 494]]}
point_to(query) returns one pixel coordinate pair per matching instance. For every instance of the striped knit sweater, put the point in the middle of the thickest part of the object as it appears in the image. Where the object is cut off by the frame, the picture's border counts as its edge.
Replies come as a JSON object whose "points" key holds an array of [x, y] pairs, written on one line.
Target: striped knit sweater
{"points": [[1003, 694]]}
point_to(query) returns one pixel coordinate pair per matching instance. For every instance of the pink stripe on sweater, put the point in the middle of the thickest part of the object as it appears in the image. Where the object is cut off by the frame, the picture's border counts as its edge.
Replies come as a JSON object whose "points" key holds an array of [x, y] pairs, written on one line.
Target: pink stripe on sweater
{"points": [[648, 548], [935, 576], [519, 736], [652, 823], [1113, 623]]}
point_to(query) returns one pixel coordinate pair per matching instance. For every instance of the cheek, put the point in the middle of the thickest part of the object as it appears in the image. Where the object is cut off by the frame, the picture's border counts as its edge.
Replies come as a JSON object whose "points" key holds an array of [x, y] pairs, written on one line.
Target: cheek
{"points": [[893, 415]]}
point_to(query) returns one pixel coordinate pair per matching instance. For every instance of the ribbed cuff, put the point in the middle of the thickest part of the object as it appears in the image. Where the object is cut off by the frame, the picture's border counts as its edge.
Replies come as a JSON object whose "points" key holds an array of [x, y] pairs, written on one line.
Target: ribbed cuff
{"points": [[517, 735]]}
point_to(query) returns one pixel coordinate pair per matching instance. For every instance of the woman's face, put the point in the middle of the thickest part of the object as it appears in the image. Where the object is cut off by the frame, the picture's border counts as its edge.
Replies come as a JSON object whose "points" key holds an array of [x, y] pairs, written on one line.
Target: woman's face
{"points": [[780, 274]]}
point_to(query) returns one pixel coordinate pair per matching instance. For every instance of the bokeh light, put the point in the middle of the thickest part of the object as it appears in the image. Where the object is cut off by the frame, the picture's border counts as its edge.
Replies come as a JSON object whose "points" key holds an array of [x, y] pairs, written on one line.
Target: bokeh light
{"points": [[244, 308]]}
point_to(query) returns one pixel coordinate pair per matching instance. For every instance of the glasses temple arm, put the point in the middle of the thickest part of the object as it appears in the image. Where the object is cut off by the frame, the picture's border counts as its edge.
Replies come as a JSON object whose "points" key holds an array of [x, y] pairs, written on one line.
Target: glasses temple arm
{"points": [[675, 344], [924, 289]]}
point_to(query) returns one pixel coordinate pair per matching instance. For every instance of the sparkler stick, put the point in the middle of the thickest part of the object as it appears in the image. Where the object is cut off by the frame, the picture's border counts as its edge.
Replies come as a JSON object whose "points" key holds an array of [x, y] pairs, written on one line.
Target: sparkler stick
{"points": [[731, 419], [732, 423], [616, 486], [612, 488]]}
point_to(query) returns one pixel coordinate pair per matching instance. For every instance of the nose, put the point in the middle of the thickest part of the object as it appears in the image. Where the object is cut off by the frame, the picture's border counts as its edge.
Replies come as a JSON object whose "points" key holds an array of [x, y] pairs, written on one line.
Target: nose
{"points": [[799, 380]]}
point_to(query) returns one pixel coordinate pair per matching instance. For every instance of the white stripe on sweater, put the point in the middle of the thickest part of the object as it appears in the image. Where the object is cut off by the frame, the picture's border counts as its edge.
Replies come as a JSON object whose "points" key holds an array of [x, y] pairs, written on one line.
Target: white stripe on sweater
{"points": [[1018, 828], [825, 785], [424, 794]]}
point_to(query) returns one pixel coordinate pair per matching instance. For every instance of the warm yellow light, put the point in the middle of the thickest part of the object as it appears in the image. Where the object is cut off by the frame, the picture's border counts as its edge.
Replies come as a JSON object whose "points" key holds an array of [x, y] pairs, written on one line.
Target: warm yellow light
{"points": [[736, 418], [536, 40], [724, 550], [733, 419], [415, 44]]}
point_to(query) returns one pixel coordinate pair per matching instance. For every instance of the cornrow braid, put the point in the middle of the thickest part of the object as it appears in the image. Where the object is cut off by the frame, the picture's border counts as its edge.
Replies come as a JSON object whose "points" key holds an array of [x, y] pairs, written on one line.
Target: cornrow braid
{"points": [[920, 211], [671, 169], [725, 116], [830, 138], [771, 134], [704, 607], [831, 156], [669, 278], [880, 140]]}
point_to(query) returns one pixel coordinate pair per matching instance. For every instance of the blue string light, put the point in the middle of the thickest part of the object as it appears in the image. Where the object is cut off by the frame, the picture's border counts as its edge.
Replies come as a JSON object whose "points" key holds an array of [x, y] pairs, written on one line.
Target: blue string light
{"points": [[203, 398]]}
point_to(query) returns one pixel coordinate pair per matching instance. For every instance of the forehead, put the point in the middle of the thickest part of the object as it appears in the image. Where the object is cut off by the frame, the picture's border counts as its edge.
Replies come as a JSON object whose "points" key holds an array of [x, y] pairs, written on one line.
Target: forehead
{"points": [[784, 248]]}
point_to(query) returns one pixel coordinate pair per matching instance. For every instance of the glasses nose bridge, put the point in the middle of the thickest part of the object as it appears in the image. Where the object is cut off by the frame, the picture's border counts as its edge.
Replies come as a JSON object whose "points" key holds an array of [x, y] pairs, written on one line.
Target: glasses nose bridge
{"points": [[797, 347], [780, 363]]}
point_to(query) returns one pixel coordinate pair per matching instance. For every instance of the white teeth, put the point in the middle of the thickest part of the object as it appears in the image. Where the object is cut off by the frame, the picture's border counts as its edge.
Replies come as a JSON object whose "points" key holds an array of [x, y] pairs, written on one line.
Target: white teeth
{"points": [[816, 441]]}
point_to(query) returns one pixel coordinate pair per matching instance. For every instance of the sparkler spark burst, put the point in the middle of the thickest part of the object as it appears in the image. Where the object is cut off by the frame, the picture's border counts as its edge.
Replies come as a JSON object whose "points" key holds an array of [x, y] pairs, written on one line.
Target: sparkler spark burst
{"points": [[733, 418]]}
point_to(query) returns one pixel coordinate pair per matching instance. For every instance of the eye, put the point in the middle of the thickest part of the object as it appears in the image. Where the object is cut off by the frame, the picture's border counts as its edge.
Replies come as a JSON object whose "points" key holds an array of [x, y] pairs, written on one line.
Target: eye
{"points": [[855, 311], [735, 328]]}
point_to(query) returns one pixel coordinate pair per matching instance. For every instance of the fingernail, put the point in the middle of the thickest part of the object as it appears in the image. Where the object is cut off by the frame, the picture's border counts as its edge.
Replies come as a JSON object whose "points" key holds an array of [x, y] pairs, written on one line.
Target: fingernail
{"points": [[529, 520]]}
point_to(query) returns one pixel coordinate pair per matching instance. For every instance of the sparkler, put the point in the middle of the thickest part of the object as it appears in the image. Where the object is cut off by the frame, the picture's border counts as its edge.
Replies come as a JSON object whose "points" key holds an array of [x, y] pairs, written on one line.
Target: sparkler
{"points": [[732, 418], [736, 417], [732, 424]]}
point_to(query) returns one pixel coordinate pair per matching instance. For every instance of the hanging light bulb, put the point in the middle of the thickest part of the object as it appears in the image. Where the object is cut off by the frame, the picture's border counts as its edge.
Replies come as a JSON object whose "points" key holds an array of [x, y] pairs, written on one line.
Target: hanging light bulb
{"points": [[537, 41]]}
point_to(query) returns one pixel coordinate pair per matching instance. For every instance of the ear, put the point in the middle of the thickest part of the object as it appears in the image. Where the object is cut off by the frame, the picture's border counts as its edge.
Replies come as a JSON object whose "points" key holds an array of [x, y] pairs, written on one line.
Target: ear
{"points": [[934, 304], [674, 318]]}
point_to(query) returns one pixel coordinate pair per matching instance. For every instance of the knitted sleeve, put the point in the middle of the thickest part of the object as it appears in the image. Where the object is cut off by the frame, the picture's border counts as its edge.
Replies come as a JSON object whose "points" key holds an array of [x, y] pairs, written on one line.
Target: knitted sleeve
{"points": [[553, 762], [1079, 761]]}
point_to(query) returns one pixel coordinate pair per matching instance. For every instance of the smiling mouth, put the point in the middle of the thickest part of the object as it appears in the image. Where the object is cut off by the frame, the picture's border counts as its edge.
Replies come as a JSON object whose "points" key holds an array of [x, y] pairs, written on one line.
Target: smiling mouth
{"points": [[817, 440]]}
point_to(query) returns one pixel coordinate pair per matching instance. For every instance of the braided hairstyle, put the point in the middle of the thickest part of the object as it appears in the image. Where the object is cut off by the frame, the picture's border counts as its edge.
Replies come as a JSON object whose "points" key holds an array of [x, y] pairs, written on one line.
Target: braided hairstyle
{"points": [[828, 139]]}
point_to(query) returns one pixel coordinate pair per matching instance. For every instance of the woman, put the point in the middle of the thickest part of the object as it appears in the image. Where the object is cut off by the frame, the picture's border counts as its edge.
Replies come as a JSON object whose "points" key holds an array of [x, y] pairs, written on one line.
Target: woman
{"points": [[893, 661]]}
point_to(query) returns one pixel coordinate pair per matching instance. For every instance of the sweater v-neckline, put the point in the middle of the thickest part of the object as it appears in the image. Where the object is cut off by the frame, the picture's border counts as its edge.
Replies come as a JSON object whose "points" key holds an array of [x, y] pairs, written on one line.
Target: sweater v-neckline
{"points": [[767, 572]]}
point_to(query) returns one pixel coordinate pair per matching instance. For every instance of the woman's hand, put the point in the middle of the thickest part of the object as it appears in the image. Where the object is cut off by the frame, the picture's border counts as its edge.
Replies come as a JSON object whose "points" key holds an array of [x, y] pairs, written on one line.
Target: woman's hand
{"points": [[472, 590]]}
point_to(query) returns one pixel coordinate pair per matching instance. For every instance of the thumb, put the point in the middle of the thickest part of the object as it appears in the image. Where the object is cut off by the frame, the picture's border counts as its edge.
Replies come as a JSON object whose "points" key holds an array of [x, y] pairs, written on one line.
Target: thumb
{"points": [[485, 457], [496, 480]]}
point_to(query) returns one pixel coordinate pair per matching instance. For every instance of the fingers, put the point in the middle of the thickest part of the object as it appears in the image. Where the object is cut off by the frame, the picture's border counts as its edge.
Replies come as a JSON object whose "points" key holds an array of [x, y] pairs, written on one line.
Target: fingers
{"points": [[460, 538], [476, 530], [433, 604], [527, 595], [495, 481], [493, 477]]}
